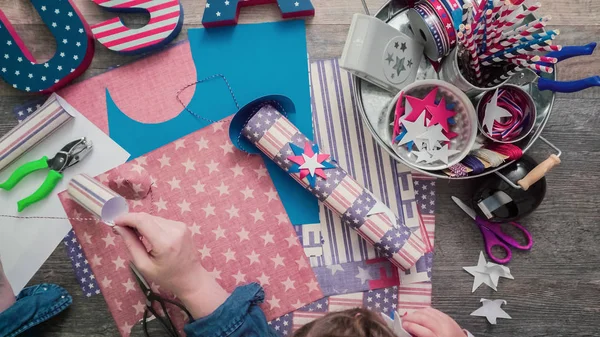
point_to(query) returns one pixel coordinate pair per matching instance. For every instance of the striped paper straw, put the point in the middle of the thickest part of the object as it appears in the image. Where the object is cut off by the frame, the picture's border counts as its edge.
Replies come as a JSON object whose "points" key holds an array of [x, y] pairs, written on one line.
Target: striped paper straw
{"points": [[531, 27], [479, 21], [498, 23], [47, 119], [277, 137], [521, 16], [515, 41], [533, 66], [472, 48], [489, 17], [507, 75], [529, 36], [529, 46], [98, 199]]}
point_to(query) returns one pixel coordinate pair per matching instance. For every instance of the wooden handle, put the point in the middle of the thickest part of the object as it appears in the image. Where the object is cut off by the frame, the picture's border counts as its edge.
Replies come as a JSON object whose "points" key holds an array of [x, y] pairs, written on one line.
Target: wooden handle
{"points": [[539, 172]]}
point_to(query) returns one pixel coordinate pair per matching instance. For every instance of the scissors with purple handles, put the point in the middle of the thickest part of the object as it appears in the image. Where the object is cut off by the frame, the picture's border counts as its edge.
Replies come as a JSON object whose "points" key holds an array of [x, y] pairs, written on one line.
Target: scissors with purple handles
{"points": [[494, 236]]}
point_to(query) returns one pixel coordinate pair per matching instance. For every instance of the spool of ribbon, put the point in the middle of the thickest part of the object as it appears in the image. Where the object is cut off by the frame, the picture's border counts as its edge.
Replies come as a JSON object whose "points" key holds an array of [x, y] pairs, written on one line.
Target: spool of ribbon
{"points": [[275, 136], [98, 199], [47, 119], [521, 113]]}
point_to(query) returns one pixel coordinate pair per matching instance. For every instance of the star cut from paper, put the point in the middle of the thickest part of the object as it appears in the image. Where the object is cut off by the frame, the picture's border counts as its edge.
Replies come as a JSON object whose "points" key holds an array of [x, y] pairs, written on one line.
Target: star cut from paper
{"points": [[309, 163], [492, 310], [440, 114], [488, 273], [493, 113], [415, 106]]}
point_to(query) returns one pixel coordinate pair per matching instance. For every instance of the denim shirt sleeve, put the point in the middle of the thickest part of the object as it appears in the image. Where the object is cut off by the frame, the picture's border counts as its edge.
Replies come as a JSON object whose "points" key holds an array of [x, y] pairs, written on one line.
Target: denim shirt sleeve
{"points": [[34, 305], [239, 316]]}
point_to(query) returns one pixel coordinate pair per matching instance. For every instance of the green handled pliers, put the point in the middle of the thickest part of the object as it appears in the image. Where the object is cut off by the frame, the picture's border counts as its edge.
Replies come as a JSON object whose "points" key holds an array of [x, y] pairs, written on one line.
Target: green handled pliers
{"points": [[68, 156]]}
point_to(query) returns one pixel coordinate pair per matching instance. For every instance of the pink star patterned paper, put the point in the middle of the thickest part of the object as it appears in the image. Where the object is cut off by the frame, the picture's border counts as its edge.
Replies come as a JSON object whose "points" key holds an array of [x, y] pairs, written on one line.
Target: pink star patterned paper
{"points": [[233, 213]]}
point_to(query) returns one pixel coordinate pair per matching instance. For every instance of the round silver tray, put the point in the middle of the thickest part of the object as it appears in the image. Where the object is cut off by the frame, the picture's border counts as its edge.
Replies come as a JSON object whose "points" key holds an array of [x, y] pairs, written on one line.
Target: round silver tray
{"points": [[373, 101]]}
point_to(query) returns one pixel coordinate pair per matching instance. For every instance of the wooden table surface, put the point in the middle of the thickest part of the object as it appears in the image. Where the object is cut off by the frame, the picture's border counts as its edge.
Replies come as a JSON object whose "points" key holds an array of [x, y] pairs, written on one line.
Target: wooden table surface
{"points": [[556, 291]]}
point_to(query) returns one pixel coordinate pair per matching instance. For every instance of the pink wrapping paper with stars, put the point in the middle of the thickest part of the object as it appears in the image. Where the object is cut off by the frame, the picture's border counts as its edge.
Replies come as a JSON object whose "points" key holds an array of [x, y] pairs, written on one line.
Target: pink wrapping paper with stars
{"points": [[283, 143], [233, 214]]}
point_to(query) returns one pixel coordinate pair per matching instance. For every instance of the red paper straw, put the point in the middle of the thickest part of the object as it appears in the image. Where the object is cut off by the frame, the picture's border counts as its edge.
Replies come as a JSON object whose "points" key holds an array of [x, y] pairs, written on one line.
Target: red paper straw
{"points": [[473, 51], [521, 16], [533, 66]]}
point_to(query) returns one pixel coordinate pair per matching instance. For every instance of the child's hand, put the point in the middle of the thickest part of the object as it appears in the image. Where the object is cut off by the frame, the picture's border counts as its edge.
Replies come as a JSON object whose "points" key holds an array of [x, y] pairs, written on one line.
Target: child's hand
{"points": [[431, 323], [172, 262]]}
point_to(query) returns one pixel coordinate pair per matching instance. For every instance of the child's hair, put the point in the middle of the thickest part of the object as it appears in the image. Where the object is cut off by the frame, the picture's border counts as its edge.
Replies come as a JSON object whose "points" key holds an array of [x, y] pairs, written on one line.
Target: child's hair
{"points": [[350, 323]]}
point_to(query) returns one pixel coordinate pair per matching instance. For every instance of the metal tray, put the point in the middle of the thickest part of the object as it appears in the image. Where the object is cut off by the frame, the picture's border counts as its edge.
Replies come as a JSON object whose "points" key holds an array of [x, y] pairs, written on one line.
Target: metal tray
{"points": [[374, 101]]}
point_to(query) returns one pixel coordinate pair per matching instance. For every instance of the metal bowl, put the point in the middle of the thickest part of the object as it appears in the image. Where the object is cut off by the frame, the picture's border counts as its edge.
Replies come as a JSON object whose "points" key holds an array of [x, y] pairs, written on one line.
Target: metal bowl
{"points": [[373, 101], [465, 126]]}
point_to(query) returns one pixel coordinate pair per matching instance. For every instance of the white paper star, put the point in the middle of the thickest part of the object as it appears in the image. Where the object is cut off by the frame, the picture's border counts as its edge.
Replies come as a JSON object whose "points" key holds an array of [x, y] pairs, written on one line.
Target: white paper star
{"points": [[493, 113], [433, 135], [480, 274], [422, 156], [491, 309], [311, 163], [379, 208], [442, 154], [413, 129]]}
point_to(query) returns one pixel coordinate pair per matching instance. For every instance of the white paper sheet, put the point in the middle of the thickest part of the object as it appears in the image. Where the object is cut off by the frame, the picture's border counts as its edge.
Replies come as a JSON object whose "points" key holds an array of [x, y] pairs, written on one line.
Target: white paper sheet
{"points": [[25, 244]]}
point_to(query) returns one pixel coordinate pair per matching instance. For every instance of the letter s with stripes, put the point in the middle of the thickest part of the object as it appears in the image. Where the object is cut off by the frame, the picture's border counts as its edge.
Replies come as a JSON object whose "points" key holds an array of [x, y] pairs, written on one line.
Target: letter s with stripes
{"points": [[166, 20]]}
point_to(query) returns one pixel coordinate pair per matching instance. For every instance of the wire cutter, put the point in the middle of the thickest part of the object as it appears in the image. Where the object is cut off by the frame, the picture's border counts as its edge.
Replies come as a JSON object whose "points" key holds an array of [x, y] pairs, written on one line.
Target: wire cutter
{"points": [[68, 156], [568, 52]]}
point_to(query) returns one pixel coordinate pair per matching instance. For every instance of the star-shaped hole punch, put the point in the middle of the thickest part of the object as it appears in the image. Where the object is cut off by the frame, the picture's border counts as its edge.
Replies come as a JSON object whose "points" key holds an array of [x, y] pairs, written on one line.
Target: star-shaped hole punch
{"points": [[309, 163]]}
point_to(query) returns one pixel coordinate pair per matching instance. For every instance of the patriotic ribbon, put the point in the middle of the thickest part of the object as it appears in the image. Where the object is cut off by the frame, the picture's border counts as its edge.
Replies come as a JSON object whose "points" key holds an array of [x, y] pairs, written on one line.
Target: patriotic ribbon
{"points": [[282, 142]]}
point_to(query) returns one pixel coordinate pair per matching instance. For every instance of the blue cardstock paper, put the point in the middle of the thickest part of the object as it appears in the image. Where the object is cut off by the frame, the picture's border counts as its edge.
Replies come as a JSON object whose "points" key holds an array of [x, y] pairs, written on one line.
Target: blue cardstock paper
{"points": [[257, 60]]}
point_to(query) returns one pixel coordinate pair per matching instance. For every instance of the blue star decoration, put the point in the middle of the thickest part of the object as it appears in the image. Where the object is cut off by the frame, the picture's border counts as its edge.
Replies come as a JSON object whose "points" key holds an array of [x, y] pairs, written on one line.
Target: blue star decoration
{"points": [[74, 49], [309, 162], [226, 12]]}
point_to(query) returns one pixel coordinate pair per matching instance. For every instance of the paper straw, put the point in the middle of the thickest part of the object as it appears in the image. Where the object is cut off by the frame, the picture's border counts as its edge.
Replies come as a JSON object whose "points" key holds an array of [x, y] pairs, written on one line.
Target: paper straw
{"points": [[102, 202], [47, 119], [533, 66], [507, 75], [489, 17], [529, 46], [529, 36], [273, 134], [531, 27], [479, 21], [519, 18], [473, 51], [516, 41]]}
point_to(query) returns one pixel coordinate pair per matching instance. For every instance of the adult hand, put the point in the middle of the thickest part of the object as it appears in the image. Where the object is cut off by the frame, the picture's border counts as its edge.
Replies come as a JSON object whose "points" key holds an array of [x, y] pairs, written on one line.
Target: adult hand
{"points": [[7, 296], [172, 262], [430, 322]]}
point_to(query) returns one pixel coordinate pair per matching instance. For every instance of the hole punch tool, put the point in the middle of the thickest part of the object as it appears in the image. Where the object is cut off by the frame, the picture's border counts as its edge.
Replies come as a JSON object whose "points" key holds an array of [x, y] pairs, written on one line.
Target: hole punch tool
{"points": [[567, 52], [68, 156]]}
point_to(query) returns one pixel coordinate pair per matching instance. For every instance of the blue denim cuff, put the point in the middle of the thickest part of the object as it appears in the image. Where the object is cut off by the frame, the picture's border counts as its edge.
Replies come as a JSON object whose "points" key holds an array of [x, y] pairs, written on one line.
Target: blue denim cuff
{"points": [[34, 305], [238, 316]]}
